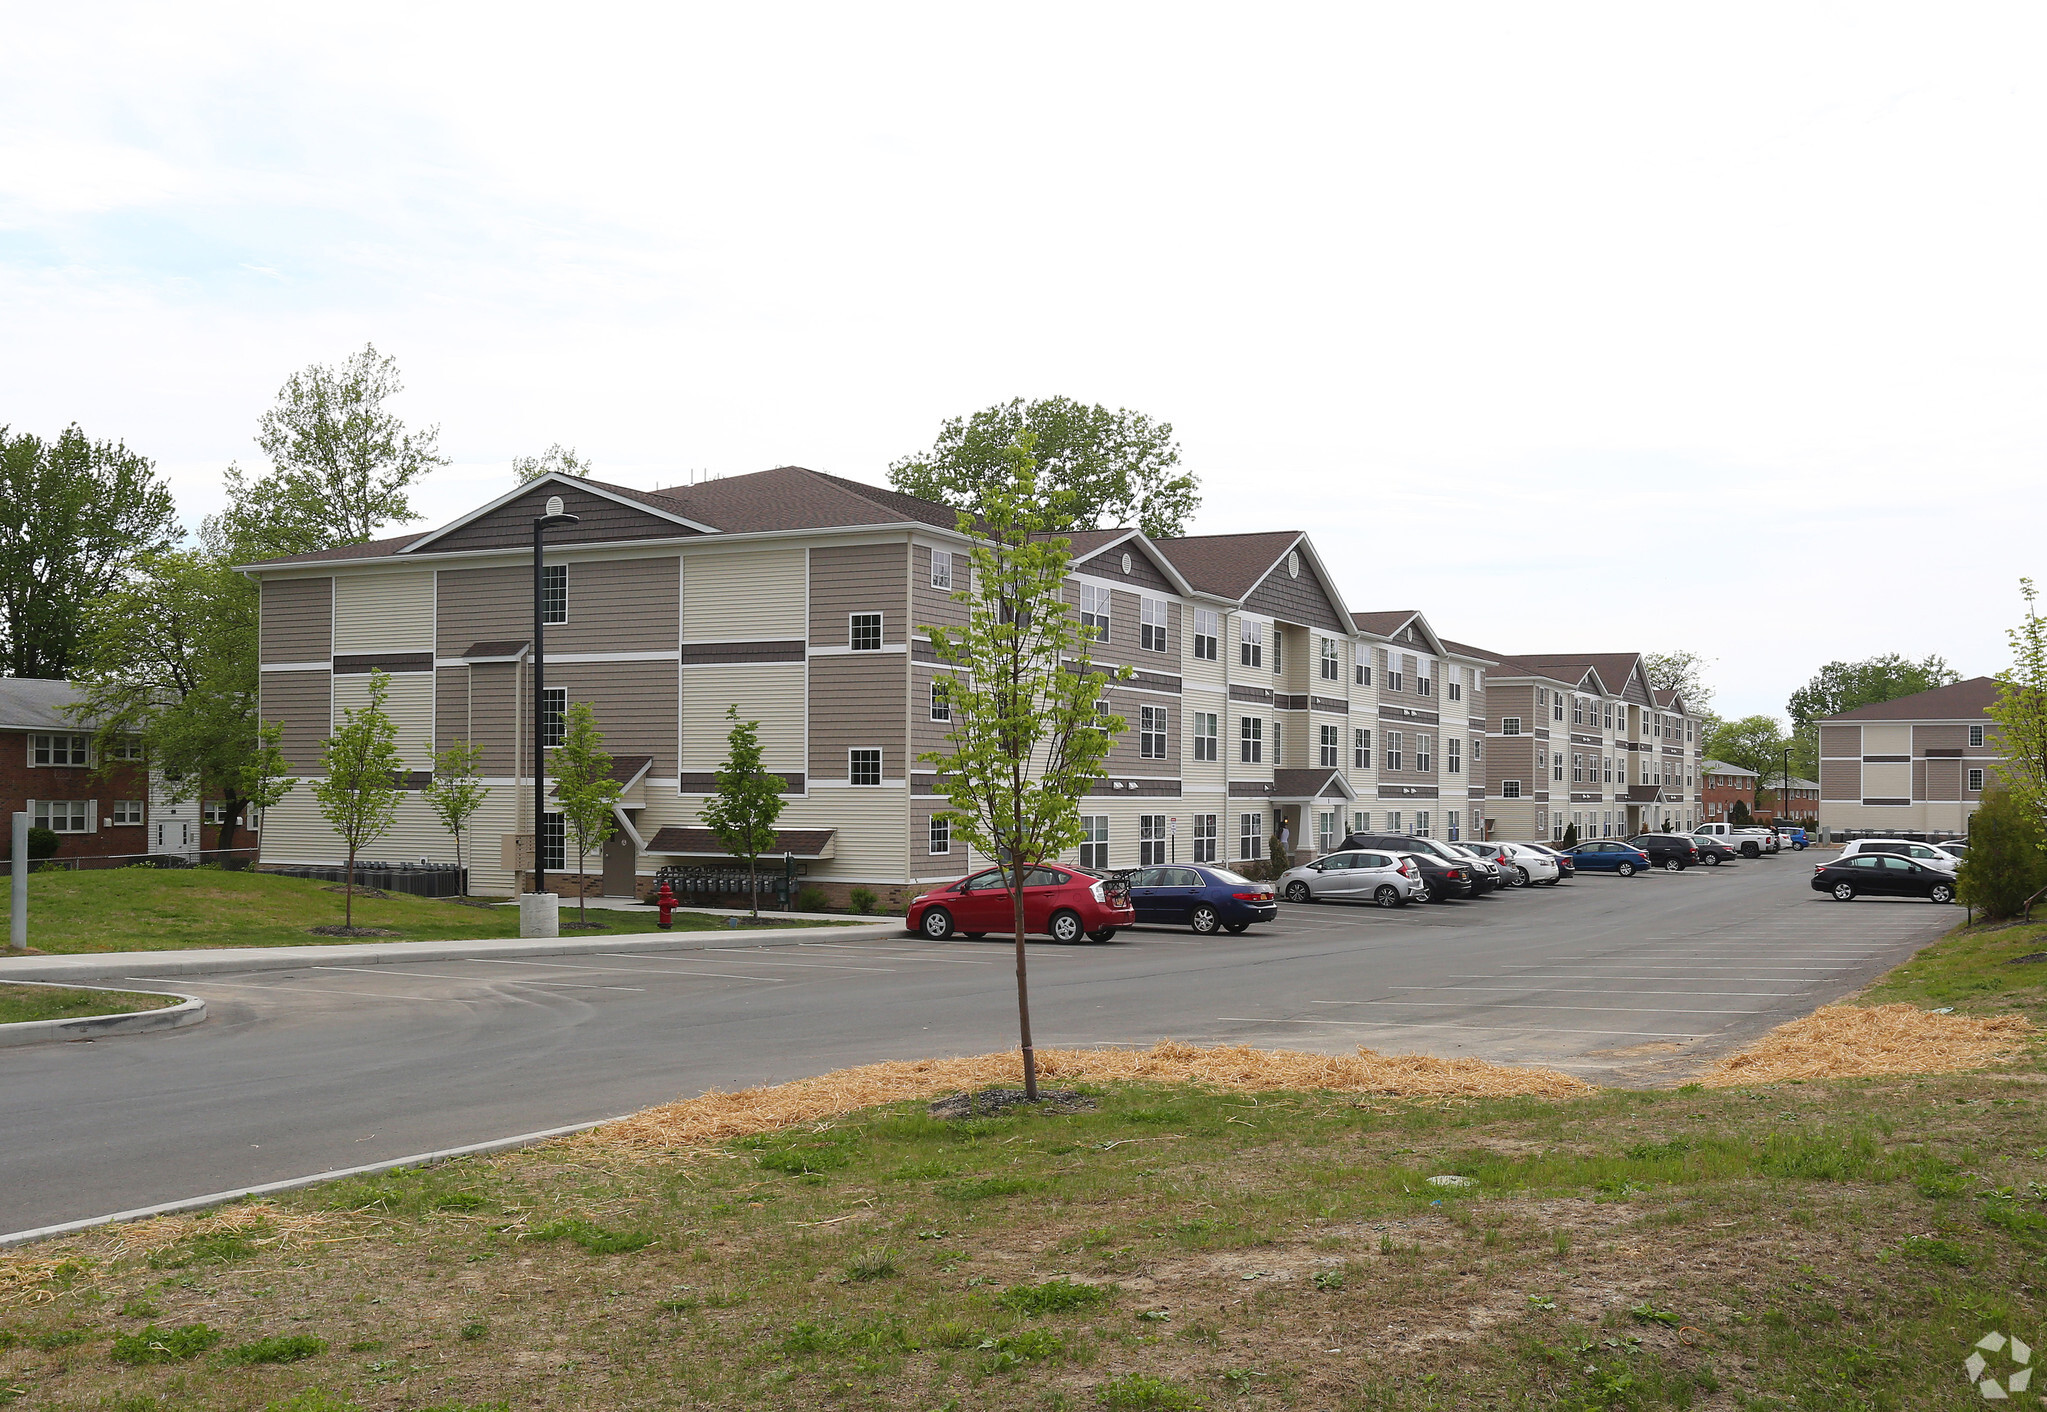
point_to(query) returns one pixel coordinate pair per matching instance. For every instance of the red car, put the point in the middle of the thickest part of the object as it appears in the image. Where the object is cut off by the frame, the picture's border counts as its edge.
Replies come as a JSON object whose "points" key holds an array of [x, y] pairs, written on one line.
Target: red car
{"points": [[1062, 903]]}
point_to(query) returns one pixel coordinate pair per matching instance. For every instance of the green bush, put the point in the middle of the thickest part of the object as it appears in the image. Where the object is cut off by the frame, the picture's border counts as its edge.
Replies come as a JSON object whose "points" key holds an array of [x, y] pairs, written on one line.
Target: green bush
{"points": [[864, 901], [1570, 838], [154, 1345], [2004, 869], [42, 843], [811, 898]]}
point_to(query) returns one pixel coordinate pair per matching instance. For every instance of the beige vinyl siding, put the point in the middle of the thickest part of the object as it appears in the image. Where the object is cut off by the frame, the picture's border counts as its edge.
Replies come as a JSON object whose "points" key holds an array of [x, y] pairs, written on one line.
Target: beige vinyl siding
{"points": [[769, 692], [857, 702], [300, 702], [635, 704], [871, 824], [297, 620], [754, 596], [615, 605], [1887, 738], [859, 578], [1886, 781], [295, 832], [384, 612], [409, 703]]}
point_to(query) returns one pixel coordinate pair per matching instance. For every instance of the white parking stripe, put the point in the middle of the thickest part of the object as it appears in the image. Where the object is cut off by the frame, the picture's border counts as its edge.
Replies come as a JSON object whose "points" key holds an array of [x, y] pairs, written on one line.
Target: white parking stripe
{"points": [[314, 990], [625, 970], [1587, 1009], [473, 980]]}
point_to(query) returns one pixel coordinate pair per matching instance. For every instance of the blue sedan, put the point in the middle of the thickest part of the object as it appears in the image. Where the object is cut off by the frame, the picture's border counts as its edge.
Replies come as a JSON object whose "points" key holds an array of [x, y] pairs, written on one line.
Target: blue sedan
{"points": [[1606, 856], [1208, 899]]}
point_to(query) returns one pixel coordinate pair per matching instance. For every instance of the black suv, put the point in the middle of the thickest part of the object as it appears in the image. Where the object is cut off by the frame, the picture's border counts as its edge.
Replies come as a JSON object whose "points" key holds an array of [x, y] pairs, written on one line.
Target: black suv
{"points": [[1672, 852], [1478, 879]]}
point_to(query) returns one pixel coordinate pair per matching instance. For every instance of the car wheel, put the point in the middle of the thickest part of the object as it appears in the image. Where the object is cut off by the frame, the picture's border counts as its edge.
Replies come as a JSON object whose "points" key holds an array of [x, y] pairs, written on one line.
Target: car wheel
{"points": [[1387, 895], [937, 924], [1941, 892], [1065, 927], [1298, 892], [1105, 934], [1626, 870], [1521, 873], [1205, 921], [1236, 928], [1844, 892], [1712, 860], [1673, 865], [1749, 850]]}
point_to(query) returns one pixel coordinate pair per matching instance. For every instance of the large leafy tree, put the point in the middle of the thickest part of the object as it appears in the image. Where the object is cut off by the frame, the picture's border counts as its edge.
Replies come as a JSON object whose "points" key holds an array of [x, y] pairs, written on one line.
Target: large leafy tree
{"points": [[76, 516], [556, 460], [169, 655], [1026, 741], [341, 461], [584, 790], [1753, 742], [1684, 672], [360, 793], [1095, 467], [747, 802], [1842, 686]]}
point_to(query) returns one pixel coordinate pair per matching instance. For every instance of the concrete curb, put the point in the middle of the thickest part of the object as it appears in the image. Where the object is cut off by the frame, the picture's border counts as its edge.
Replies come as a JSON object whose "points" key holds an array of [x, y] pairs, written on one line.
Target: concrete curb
{"points": [[189, 1011], [222, 1198], [119, 965]]}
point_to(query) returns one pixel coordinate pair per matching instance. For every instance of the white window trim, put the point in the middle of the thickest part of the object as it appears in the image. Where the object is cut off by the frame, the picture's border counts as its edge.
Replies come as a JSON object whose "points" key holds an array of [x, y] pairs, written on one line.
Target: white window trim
{"points": [[880, 631], [875, 751], [941, 556], [1510, 725], [545, 570]]}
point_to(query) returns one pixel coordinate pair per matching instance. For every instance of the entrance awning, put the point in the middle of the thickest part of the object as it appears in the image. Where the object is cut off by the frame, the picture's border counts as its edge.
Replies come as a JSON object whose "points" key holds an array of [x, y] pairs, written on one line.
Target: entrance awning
{"points": [[1308, 786], [702, 843]]}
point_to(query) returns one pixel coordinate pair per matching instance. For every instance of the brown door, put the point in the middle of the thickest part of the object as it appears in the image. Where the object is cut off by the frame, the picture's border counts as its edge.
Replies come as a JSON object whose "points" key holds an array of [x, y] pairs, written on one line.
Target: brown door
{"points": [[621, 862]]}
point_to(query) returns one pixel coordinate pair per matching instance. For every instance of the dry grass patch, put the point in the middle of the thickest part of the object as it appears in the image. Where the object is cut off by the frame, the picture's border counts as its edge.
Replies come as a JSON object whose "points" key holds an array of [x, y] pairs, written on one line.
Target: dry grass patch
{"points": [[1847, 1041], [720, 1117]]}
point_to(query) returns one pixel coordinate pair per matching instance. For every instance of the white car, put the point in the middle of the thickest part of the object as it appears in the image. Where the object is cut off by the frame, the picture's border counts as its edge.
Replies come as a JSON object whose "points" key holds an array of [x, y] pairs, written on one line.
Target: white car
{"points": [[1918, 852], [1537, 866], [1360, 875], [1956, 848]]}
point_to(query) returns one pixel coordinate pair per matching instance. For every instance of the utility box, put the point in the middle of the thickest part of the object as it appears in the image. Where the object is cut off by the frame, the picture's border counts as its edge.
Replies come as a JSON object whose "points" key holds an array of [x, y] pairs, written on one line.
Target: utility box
{"points": [[515, 852]]}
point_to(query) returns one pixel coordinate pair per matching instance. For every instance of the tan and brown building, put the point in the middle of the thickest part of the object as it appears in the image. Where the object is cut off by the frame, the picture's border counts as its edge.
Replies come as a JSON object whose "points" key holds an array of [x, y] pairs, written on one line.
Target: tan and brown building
{"points": [[1916, 765]]}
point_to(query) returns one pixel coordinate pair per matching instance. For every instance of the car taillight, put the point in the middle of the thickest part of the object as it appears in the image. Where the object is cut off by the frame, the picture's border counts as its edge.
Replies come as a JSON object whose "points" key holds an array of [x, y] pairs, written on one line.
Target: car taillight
{"points": [[1096, 893], [1250, 896], [1454, 875], [1405, 871]]}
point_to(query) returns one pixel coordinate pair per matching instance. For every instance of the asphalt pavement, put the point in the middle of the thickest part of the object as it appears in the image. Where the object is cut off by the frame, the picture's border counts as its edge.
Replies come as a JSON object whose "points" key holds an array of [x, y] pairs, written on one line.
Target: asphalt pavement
{"points": [[1632, 981]]}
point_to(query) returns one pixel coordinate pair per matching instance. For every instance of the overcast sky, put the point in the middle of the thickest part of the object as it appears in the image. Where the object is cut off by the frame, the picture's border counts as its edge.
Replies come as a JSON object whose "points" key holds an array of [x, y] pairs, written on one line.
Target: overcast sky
{"points": [[1578, 328]]}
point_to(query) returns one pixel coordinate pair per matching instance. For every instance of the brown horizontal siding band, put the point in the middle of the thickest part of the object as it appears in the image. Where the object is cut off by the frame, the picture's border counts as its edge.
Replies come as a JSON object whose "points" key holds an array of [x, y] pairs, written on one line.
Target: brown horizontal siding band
{"points": [[1143, 789], [1404, 713], [1290, 703], [1249, 789], [707, 783], [1936, 754], [1328, 703], [703, 654], [1154, 681], [1887, 759], [1407, 791], [383, 662], [1251, 693], [1887, 802]]}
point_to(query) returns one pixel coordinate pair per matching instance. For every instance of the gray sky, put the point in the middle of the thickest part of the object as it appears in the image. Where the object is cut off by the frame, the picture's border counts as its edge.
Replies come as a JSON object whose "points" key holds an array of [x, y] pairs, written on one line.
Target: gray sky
{"points": [[1574, 326]]}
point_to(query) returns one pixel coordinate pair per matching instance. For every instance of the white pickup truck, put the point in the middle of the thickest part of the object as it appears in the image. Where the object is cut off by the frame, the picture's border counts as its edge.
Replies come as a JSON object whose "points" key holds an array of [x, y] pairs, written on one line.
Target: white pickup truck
{"points": [[1749, 843]]}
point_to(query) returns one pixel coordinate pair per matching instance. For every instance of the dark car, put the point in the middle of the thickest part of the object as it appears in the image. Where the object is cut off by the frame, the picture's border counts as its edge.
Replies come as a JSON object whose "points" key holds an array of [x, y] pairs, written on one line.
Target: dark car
{"points": [[1609, 856], [1672, 852], [1206, 898], [1445, 879], [1882, 875], [1486, 875], [1712, 852]]}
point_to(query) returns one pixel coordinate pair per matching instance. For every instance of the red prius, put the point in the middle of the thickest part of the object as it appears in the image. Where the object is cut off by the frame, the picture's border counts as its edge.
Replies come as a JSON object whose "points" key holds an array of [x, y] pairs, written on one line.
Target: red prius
{"points": [[1062, 903]]}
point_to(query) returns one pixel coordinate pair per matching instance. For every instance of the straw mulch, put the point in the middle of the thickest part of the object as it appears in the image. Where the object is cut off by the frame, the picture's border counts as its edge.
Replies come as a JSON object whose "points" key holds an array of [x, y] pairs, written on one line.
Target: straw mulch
{"points": [[30, 1279], [720, 1117], [1847, 1041]]}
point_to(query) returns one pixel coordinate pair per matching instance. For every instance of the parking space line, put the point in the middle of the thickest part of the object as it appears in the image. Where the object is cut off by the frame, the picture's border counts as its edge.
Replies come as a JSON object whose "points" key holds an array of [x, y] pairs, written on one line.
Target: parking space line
{"points": [[473, 980], [627, 970], [807, 965], [1589, 1009], [897, 951], [316, 990]]}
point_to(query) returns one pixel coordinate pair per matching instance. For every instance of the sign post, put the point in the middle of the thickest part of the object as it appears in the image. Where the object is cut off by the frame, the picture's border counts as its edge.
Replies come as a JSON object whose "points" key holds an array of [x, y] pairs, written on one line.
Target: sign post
{"points": [[17, 934]]}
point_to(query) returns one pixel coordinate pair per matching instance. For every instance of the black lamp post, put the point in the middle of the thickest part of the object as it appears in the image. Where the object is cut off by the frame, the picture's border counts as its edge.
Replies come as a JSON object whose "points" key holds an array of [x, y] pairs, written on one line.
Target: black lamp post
{"points": [[541, 524]]}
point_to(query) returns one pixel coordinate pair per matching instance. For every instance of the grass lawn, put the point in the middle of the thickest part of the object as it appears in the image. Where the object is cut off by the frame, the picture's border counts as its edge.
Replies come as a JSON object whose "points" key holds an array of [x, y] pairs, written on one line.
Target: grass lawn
{"points": [[159, 909], [44, 1002], [1837, 1244]]}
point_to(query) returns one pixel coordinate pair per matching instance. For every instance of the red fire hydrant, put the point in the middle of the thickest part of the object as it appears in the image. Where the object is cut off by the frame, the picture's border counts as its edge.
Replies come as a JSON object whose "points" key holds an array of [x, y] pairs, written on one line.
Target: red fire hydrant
{"points": [[666, 901]]}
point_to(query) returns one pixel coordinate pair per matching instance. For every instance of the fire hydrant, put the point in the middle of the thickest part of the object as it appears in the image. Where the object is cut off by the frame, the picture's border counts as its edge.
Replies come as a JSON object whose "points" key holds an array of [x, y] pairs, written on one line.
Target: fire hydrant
{"points": [[666, 901]]}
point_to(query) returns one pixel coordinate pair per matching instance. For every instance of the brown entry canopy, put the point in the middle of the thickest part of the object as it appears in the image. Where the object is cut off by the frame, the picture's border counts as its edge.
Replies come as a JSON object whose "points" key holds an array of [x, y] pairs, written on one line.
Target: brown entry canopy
{"points": [[702, 843]]}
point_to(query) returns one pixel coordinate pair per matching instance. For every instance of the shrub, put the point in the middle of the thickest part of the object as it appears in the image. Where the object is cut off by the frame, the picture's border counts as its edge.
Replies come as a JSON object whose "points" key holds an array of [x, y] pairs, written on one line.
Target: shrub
{"points": [[811, 898], [42, 843], [864, 901], [1570, 838], [154, 1345], [1739, 815], [2004, 869], [287, 1348]]}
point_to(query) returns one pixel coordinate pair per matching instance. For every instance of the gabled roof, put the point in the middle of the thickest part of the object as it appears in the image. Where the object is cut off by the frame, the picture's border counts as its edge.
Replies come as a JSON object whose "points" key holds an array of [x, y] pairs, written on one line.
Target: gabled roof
{"points": [[1398, 624], [621, 494], [1944, 703], [1093, 543], [37, 704], [1319, 783], [1721, 767], [1228, 565], [1465, 649]]}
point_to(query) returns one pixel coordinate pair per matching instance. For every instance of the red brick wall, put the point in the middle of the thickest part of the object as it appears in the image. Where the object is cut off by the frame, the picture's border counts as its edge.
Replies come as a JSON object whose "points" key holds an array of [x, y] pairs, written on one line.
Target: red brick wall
{"points": [[21, 782]]}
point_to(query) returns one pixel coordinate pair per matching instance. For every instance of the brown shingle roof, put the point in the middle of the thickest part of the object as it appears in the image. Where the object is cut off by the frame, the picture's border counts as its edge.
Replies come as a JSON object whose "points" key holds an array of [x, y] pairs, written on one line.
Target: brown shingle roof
{"points": [[369, 549], [1465, 649], [793, 497], [1385, 624], [1944, 703], [1227, 565], [1612, 667]]}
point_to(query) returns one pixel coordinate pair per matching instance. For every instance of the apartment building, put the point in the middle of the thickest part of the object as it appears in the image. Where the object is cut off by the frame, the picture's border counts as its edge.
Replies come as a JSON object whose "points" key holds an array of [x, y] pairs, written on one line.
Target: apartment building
{"points": [[1916, 765], [1725, 786], [1586, 740]]}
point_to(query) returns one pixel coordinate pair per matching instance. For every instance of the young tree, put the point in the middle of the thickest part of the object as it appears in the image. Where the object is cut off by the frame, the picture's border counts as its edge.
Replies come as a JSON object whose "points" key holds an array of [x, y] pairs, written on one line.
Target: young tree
{"points": [[2005, 870], [1739, 815], [456, 793], [1095, 467], [360, 793], [557, 459], [585, 790], [1026, 741], [340, 461], [76, 517], [1684, 672], [748, 801], [2021, 711]]}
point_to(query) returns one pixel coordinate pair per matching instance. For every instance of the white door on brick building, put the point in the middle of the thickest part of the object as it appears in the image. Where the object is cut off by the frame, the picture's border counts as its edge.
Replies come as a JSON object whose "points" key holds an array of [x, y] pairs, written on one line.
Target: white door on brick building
{"points": [[173, 827]]}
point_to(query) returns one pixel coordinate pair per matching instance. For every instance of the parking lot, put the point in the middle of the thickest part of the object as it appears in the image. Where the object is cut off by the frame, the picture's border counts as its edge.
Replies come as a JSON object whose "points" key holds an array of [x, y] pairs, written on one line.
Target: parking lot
{"points": [[1631, 981]]}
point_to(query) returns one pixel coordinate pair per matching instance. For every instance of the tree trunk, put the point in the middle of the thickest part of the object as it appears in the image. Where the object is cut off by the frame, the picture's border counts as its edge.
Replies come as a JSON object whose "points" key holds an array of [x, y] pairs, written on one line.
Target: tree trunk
{"points": [[348, 892], [1023, 993], [582, 888], [232, 821], [753, 884], [461, 878]]}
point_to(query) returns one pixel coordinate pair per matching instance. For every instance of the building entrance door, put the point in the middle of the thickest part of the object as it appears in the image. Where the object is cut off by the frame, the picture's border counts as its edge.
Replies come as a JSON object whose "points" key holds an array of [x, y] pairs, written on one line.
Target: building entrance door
{"points": [[621, 866]]}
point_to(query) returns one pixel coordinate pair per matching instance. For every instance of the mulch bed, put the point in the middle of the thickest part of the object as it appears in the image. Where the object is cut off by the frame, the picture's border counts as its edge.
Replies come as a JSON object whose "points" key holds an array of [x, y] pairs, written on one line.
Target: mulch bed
{"points": [[353, 931]]}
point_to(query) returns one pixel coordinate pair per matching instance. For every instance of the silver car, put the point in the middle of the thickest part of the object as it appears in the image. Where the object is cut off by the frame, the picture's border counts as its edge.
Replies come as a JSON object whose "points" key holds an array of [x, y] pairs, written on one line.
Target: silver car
{"points": [[1363, 875], [1536, 866]]}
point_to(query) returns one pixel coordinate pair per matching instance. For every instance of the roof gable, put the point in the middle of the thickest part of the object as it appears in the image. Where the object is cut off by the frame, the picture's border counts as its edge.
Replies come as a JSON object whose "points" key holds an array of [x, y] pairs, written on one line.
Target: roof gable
{"points": [[605, 513], [1228, 565], [1962, 701], [1404, 626], [1101, 553]]}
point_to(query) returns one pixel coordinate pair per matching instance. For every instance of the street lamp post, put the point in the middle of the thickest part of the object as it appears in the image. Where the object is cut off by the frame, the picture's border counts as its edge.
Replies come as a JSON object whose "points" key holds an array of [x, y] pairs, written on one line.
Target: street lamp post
{"points": [[537, 915]]}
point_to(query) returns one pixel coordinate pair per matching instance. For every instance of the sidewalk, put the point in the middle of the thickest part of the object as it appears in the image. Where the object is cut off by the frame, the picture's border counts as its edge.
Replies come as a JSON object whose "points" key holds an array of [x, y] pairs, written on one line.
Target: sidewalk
{"points": [[115, 965]]}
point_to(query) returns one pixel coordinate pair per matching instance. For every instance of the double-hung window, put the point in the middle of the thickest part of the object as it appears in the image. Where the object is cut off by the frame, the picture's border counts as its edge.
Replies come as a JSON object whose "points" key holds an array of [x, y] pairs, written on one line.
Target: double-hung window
{"points": [[1361, 749], [1423, 751], [1250, 835], [1151, 840], [941, 700], [1394, 745], [554, 704], [1363, 670], [1151, 631], [863, 767], [61, 815], [1556, 705], [1094, 840], [1151, 732], [1250, 643], [1976, 737], [941, 577], [127, 747], [1251, 739], [863, 632], [128, 811], [1578, 766], [1421, 823], [1094, 610], [1577, 710], [1453, 754], [1331, 747], [941, 834], [1454, 684], [1207, 627], [1204, 735], [1332, 663], [1394, 676], [554, 593], [1204, 838], [59, 749], [1424, 677]]}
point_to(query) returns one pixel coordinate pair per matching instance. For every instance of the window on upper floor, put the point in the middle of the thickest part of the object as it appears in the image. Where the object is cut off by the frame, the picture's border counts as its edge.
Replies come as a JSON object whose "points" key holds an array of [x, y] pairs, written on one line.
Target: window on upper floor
{"points": [[941, 573], [863, 767], [72, 750], [1250, 643], [1094, 610], [1332, 660], [1250, 740], [1975, 781], [1207, 626], [554, 704], [554, 593], [1510, 725], [1976, 736], [127, 747], [1577, 710], [1394, 749], [1364, 670], [1510, 789], [1453, 754], [1424, 752], [941, 834], [1278, 637], [1151, 732], [1425, 678], [863, 632], [1455, 687], [1204, 734], [1330, 747], [128, 811], [1152, 620], [1361, 749], [941, 700]]}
